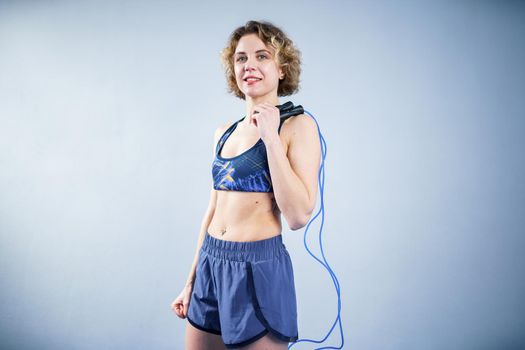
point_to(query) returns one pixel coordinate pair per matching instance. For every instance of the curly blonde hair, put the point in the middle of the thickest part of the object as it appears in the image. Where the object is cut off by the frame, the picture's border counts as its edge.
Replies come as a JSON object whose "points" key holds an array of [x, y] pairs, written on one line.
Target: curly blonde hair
{"points": [[287, 56]]}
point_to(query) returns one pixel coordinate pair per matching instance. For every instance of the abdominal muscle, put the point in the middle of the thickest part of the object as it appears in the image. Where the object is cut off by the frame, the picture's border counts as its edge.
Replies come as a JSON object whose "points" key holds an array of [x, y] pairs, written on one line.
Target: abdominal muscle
{"points": [[245, 216]]}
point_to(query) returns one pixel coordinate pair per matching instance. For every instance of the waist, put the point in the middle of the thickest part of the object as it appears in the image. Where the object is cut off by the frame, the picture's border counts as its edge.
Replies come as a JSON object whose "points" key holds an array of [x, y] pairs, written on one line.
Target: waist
{"points": [[263, 249], [249, 228], [243, 217]]}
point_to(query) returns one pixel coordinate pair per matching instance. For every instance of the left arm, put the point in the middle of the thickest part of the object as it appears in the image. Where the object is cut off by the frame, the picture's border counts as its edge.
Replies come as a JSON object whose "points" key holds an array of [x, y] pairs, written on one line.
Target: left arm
{"points": [[294, 175]]}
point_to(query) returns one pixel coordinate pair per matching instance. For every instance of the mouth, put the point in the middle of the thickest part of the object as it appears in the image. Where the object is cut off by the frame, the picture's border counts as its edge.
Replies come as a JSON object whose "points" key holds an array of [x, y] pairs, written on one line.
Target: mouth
{"points": [[252, 81]]}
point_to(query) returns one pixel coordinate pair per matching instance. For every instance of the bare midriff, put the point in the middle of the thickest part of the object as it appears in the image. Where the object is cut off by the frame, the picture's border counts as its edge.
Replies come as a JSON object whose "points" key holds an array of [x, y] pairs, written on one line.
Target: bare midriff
{"points": [[245, 216]]}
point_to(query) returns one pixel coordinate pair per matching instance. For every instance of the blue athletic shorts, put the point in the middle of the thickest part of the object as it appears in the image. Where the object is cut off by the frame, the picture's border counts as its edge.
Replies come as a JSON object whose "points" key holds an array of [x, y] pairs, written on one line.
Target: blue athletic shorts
{"points": [[243, 290]]}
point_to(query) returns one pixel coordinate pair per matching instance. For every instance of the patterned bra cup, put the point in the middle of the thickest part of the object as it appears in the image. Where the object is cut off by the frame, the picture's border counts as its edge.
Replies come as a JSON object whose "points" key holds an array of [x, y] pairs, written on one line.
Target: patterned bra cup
{"points": [[246, 172]]}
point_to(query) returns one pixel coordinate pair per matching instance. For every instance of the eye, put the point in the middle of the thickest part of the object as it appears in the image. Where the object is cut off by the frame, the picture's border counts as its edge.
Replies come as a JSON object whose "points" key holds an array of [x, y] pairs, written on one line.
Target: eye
{"points": [[243, 57]]}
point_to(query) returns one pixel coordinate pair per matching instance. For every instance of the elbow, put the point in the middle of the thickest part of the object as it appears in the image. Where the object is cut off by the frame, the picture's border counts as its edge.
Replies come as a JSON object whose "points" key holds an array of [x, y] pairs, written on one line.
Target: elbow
{"points": [[300, 222], [296, 227]]}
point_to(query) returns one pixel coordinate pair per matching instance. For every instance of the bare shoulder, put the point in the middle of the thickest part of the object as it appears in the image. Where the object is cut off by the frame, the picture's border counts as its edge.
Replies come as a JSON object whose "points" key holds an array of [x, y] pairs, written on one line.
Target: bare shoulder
{"points": [[299, 126], [220, 130]]}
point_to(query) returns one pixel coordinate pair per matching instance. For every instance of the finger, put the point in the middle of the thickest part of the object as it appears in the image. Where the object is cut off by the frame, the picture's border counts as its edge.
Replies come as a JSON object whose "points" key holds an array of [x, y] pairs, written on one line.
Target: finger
{"points": [[253, 120]]}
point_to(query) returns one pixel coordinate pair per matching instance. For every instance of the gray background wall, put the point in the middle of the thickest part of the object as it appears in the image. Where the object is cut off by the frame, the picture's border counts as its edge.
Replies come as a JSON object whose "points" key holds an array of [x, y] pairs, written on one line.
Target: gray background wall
{"points": [[107, 113]]}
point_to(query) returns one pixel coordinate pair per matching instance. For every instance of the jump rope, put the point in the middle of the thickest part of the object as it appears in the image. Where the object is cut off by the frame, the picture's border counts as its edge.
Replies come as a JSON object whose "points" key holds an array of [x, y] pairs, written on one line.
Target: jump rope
{"points": [[288, 110]]}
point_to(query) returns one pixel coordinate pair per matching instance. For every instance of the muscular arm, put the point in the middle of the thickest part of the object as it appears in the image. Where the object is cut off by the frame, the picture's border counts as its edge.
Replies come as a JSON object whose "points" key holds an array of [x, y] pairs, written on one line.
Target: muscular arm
{"points": [[294, 175], [208, 215]]}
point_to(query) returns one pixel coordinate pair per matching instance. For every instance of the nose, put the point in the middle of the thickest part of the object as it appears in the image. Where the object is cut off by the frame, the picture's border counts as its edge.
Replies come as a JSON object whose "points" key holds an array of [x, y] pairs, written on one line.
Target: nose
{"points": [[249, 65]]}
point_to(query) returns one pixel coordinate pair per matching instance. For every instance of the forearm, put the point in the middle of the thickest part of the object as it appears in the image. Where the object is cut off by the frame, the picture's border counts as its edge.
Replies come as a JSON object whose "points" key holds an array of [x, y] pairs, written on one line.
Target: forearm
{"points": [[290, 193], [204, 226]]}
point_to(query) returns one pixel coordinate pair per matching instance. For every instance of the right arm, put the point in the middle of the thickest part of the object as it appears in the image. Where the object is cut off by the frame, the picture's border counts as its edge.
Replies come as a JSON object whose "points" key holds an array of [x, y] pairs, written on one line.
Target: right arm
{"points": [[204, 225], [208, 215]]}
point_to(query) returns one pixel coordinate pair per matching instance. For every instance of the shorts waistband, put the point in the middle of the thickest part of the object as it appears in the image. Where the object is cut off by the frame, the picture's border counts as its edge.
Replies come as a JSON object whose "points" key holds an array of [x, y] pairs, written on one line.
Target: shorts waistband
{"points": [[264, 249]]}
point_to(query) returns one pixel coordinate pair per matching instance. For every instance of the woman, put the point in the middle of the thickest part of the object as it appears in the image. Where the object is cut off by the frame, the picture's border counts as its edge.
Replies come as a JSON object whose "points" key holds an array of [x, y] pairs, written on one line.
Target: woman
{"points": [[240, 292]]}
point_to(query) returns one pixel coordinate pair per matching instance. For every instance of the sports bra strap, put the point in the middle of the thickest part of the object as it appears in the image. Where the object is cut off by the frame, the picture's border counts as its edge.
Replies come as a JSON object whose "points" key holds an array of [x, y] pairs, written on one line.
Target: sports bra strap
{"points": [[280, 124], [224, 135]]}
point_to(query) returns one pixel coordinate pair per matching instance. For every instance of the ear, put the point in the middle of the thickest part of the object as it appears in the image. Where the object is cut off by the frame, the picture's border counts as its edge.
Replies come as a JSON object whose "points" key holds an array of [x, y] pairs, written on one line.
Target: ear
{"points": [[281, 74]]}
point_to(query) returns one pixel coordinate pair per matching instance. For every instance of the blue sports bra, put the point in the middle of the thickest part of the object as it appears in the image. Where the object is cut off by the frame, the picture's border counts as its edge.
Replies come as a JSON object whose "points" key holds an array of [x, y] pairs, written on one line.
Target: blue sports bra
{"points": [[246, 172]]}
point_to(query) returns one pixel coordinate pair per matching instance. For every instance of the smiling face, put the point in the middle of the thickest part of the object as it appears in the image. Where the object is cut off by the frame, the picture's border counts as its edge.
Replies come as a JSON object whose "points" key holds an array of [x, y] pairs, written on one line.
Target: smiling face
{"points": [[253, 58]]}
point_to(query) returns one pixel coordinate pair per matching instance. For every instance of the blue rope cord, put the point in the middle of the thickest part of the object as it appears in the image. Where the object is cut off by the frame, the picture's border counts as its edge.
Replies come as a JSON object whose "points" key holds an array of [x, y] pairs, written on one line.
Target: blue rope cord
{"points": [[324, 262]]}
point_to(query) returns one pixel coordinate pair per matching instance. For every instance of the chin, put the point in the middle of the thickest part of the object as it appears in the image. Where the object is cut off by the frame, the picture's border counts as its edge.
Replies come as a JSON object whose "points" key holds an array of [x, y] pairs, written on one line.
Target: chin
{"points": [[252, 94], [258, 93]]}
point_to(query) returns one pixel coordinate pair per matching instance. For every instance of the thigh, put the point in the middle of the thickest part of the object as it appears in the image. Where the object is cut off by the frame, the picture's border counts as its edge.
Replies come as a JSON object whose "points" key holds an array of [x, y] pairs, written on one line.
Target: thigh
{"points": [[200, 340], [268, 342]]}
